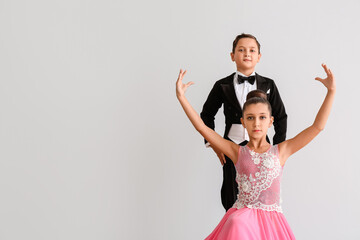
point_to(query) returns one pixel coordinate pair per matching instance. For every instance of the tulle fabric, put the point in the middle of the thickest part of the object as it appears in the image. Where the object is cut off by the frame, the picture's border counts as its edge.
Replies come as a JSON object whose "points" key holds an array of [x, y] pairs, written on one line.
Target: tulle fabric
{"points": [[252, 224]]}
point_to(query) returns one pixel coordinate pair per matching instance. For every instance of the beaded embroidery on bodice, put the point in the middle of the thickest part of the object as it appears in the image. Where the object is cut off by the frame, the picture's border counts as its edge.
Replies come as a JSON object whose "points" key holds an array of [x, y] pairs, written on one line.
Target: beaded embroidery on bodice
{"points": [[258, 176]]}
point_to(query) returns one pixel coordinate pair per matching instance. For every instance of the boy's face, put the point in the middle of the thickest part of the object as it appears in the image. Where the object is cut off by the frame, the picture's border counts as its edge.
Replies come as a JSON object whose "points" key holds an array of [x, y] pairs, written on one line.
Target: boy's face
{"points": [[246, 55]]}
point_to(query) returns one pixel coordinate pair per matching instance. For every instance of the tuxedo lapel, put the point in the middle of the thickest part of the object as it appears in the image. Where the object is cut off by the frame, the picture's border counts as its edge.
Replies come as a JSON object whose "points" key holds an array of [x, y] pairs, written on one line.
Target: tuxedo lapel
{"points": [[229, 91], [261, 83]]}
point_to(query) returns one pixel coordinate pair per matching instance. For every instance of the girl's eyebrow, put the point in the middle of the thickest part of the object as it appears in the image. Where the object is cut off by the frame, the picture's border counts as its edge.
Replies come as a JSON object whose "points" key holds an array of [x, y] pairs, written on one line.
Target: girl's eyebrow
{"points": [[247, 114]]}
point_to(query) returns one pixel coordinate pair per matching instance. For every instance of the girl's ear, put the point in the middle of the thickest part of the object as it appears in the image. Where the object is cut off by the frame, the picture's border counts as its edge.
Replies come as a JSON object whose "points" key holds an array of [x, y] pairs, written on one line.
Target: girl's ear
{"points": [[242, 122], [271, 121]]}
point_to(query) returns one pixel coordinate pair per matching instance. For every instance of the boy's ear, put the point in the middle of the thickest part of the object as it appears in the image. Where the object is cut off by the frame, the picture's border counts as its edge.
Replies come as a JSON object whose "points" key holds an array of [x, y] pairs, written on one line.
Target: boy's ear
{"points": [[232, 56], [259, 57]]}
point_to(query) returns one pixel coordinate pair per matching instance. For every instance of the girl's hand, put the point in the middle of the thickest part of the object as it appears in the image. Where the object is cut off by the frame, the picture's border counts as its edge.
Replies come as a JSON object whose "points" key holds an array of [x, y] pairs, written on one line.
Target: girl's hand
{"points": [[328, 82], [181, 87]]}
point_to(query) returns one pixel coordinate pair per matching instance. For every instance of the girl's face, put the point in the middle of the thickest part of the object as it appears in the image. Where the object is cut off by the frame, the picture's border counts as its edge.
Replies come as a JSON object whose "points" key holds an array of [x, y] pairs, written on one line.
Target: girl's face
{"points": [[257, 120]]}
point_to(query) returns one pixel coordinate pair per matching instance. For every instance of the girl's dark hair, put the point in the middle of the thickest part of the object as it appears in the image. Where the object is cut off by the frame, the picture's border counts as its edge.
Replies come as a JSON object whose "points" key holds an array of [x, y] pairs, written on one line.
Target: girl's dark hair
{"points": [[244, 35], [257, 96]]}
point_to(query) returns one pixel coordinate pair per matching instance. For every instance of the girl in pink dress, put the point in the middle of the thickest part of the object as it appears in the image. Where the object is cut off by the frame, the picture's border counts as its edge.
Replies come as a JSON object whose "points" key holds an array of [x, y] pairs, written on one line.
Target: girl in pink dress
{"points": [[257, 212]]}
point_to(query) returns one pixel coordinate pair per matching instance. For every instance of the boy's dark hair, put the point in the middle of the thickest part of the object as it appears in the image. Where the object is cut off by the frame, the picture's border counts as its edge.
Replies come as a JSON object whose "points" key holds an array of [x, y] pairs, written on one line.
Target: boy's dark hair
{"points": [[257, 96], [244, 35]]}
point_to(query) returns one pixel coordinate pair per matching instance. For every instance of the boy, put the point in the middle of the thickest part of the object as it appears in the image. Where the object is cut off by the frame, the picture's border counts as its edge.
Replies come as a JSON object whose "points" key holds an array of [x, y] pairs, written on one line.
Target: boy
{"points": [[231, 91]]}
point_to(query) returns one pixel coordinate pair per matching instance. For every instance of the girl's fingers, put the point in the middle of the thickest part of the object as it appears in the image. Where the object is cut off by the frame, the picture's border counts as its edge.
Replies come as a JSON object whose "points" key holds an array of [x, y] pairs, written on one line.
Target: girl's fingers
{"points": [[325, 67], [330, 73], [189, 84], [327, 70], [181, 74], [329, 81]]}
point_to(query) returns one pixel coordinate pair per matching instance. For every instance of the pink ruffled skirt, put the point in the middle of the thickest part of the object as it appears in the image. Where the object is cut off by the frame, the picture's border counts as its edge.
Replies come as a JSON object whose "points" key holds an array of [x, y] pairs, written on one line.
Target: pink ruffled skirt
{"points": [[252, 224]]}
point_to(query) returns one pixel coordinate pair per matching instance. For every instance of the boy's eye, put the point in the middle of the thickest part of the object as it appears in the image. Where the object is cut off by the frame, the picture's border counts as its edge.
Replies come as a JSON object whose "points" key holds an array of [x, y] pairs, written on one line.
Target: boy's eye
{"points": [[252, 50], [241, 50]]}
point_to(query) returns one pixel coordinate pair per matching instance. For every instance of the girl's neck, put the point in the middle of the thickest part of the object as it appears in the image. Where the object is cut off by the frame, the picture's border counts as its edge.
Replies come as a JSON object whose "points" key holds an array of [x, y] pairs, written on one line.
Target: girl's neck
{"points": [[259, 146]]}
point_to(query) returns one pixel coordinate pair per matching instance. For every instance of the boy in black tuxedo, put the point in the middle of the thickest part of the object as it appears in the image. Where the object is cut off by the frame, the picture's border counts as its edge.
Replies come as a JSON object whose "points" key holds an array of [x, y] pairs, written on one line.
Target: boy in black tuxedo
{"points": [[232, 91]]}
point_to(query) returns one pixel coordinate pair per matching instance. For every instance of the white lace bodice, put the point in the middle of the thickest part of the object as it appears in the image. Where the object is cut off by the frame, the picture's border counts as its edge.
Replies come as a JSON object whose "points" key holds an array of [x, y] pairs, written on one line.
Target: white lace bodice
{"points": [[258, 176]]}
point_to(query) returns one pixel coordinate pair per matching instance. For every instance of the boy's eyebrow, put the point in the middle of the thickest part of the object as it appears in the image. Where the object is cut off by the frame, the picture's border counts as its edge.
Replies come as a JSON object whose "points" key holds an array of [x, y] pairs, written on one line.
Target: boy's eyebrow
{"points": [[250, 47]]}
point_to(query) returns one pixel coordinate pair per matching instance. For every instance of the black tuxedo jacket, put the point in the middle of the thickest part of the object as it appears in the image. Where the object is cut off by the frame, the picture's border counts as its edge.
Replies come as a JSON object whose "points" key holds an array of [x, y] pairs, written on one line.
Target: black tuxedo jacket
{"points": [[223, 92]]}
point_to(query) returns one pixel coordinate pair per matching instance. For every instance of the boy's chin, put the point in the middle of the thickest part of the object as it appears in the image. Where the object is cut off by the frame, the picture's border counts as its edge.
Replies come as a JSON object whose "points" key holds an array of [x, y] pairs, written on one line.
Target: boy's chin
{"points": [[246, 67]]}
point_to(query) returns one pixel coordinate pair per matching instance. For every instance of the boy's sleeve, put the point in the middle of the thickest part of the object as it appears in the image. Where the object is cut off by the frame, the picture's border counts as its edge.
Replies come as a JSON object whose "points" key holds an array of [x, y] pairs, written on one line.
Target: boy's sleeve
{"points": [[280, 116], [211, 106]]}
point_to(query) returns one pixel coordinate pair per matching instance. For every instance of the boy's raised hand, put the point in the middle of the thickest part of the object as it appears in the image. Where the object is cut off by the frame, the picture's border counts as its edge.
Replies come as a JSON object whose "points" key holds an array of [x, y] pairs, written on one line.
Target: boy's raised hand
{"points": [[329, 81], [180, 86]]}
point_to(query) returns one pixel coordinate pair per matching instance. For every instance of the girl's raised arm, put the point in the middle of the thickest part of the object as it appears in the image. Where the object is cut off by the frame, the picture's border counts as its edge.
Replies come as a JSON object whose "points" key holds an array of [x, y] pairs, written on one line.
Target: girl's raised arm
{"points": [[289, 147], [229, 148]]}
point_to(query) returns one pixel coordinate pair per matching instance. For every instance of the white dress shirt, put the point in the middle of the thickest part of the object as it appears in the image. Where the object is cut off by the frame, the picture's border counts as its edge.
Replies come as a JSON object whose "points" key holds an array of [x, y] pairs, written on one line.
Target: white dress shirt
{"points": [[237, 132]]}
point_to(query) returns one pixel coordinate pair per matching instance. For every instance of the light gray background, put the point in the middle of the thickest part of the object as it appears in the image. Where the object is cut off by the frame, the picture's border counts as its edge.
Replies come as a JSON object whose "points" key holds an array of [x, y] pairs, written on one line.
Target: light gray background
{"points": [[93, 144]]}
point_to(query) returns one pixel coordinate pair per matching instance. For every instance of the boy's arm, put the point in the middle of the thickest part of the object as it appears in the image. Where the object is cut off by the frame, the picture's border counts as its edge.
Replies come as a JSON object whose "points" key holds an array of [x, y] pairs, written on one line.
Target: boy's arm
{"points": [[210, 109], [289, 147], [211, 106], [279, 114], [229, 148]]}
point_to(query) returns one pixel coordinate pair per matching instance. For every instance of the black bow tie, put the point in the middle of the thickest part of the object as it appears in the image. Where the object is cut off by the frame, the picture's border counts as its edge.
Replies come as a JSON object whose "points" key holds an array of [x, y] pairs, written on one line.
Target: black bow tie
{"points": [[250, 79]]}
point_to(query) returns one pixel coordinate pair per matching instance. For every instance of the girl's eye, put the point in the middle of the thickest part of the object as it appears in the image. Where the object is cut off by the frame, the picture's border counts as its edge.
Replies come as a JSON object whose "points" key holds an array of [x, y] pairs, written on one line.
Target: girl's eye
{"points": [[262, 117], [250, 118]]}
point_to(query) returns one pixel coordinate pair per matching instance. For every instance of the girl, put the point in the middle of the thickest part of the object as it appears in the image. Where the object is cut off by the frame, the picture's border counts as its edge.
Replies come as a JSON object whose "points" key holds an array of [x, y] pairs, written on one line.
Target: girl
{"points": [[257, 213]]}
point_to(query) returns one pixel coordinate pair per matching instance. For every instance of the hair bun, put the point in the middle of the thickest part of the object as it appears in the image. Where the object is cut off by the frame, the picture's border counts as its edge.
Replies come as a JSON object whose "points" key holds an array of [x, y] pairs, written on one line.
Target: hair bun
{"points": [[254, 97], [256, 93]]}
